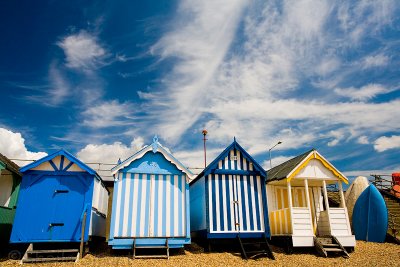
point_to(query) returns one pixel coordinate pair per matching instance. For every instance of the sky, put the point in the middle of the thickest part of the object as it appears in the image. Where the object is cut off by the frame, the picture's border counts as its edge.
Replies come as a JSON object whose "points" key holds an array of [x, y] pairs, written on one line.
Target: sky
{"points": [[101, 78]]}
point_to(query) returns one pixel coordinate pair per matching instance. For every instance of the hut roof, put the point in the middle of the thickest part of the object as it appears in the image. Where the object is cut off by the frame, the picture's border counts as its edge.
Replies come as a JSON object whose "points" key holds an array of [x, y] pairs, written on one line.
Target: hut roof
{"points": [[64, 153], [290, 168], [282, 170], [155, 147], [214, 164], [9, 165]]}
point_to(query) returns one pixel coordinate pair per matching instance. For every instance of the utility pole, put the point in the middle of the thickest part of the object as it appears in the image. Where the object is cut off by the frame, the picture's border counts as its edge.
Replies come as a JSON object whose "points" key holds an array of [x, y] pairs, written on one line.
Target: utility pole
{"points": [[204, 140]]}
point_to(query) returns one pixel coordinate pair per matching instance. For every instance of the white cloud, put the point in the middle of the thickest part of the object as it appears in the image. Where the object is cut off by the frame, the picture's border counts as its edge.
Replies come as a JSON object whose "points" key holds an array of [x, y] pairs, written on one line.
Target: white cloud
{"points": [[363, 140], [12, 145], [378, 60], [108, 114], [384, 143], [108, 154], [199, 45], [83, 51], [60, 88], [360, 18], [255, 85], [327, 66], [366, 92]]}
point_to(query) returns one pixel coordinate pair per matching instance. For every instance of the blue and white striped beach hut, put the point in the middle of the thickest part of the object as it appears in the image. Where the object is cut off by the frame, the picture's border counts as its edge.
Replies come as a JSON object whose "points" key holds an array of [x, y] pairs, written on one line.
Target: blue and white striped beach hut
{"points": [[151, 200], [228, 198]]}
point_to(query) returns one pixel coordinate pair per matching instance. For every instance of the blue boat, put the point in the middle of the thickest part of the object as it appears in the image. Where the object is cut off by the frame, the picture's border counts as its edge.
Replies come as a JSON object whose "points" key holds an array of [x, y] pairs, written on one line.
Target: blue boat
{"points": [[370, 216]]}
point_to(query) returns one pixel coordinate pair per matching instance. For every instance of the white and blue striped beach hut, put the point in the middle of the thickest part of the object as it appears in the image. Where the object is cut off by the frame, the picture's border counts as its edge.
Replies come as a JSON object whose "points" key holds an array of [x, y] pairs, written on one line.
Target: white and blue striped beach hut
{"points": [[229, 197], [151, 200]]}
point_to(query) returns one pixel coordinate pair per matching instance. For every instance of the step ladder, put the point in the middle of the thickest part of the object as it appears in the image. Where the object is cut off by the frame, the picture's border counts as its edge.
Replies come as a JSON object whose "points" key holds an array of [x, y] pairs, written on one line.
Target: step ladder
{"points": [[253, 248], [49, 255], [329, 245], [137, 247]]}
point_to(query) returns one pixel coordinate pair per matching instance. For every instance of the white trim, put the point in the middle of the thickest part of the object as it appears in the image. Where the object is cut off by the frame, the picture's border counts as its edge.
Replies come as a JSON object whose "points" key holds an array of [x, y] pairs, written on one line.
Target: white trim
{"points": [[231, 197], [223, 180], [210, 201], [168, 205], [146, 149], [246, 201], [253, 201]]}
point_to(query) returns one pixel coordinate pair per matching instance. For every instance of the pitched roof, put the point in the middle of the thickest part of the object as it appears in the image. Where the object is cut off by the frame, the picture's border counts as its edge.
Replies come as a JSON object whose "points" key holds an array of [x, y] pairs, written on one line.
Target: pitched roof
{"points": [[290, 168], [9, 165], [214, 164], [64, 153], [284, 169], [155, 147]]}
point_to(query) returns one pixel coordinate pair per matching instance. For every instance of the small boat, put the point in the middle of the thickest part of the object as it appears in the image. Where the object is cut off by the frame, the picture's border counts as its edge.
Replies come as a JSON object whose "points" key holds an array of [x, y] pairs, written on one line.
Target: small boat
{"points": [[370, 216], [353, 192]]}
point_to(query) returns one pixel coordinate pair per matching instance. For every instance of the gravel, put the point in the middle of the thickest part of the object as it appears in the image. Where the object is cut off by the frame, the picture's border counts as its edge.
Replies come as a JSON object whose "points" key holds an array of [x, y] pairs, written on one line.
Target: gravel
{"points": [[365, 254]]}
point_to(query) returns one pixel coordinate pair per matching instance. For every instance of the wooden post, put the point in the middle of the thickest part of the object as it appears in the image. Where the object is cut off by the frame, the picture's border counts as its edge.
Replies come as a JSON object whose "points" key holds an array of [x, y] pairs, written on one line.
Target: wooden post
{"points": [[342, 202], [82, 235], [308, 203], [326, 202], [290, 204], [343, 205]]}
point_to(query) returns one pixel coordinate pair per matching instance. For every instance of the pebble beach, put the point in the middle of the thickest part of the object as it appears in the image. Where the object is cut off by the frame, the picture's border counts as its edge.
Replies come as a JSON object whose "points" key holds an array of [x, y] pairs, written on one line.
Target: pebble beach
{"points": [[365, 254]]}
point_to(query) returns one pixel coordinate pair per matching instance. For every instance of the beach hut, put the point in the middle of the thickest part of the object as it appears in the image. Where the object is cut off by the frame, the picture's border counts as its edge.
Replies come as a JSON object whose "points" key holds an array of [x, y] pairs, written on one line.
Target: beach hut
{"points": [[60, 198], [228, 199], [10, 179], [299, 208], [150, 207]]}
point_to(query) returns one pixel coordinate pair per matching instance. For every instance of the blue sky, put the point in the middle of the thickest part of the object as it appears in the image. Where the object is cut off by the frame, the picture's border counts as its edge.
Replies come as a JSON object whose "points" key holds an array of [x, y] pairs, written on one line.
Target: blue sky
{"points": [[100, 78]]}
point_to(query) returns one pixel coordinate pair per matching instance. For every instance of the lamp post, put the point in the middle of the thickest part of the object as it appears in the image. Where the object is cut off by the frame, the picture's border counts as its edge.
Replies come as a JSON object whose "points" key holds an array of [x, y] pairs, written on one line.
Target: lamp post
{"points": [[204, 132], [270, 161]]}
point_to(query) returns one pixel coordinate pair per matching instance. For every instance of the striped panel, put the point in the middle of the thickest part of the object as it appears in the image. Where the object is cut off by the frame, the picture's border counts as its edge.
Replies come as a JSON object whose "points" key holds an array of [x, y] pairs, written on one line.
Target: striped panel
{"points": [[235, 160], [280, 222], [150, 205], [235, 203]]}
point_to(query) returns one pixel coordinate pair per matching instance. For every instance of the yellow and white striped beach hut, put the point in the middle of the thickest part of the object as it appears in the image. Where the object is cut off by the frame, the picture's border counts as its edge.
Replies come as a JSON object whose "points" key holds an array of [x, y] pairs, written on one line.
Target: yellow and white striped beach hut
{"points": [[298, 203]]}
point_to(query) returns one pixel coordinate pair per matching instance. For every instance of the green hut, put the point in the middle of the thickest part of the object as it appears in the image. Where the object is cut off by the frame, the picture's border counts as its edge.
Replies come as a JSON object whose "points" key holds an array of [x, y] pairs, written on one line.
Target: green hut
{"points": [[10, 179]]}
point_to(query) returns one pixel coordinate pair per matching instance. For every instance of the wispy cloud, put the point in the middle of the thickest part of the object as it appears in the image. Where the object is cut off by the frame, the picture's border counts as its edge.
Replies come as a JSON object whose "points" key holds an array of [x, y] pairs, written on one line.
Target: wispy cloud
{"points": [[53, 94], [373, 61], [83, 51], [384, 143], [246, 72], [108, 114], [366, 92], [199, 41]]}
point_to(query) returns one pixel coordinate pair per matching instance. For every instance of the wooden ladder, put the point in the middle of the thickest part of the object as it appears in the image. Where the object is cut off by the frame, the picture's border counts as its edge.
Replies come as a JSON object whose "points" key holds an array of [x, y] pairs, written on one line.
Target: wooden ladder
{"points": [[329, 244], [255, 248], [154, 256], [49, 255]]}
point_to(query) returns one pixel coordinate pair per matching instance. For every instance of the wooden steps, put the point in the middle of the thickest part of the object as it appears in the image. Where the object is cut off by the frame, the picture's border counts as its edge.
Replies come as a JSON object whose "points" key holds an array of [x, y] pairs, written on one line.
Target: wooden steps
{"points": [[393, 206], [329, 244], [50, 255], [148, 248], [254, 248]]}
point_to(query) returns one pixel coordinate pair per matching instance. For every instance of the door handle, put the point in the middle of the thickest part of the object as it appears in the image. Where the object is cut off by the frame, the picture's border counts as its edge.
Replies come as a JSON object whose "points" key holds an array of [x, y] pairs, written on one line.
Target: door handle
{"points": [[61, 191], [56, 224]]}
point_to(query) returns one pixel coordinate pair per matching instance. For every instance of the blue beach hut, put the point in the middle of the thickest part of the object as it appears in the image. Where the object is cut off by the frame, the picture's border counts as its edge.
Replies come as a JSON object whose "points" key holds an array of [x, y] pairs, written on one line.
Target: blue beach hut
{"points": [[228, 198], [55, 193], [150, 206]]}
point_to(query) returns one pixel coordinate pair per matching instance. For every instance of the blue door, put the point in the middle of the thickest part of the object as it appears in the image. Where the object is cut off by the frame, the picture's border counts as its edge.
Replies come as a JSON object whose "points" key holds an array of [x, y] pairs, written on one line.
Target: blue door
{"points": [[34, 209], [50, 208], [69, 201]]}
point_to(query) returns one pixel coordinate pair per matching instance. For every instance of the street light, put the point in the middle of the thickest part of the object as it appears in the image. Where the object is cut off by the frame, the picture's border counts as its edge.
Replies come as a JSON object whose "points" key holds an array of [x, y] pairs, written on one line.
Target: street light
{"points": [[270, 161]]}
